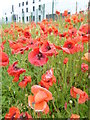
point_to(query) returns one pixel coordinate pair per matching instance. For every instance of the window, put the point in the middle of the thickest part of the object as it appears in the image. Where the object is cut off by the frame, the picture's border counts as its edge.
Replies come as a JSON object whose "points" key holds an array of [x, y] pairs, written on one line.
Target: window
{"points": [[22, 10], [39, 0], [12, 8], [19, 19], [39, 17], [26, 9], [6, 19], [27, 18], [39, 7], [33, 1], [27, 3], [5, 13], [22, 3], [19, 4], [23, 19], [33, 8], [33, 18]]}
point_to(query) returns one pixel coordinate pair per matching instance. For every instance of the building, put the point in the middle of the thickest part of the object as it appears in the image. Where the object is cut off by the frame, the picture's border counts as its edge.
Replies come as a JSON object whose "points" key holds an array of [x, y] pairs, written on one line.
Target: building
{"points": [[37, 10]]}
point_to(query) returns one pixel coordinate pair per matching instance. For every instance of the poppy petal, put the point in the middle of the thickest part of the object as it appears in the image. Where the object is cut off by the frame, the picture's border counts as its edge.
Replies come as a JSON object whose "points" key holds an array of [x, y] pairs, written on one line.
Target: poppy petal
{"points": [[40, 96], [36, 88]]}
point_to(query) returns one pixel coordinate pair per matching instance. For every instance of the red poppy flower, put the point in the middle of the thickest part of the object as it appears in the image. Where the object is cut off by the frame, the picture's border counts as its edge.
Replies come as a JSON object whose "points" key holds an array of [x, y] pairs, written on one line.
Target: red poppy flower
{"points": [[27, 34], [48, 79], [33, 43], [65, 61], [84, 67], [74, 117], [20, 50], [85, 38], [63, 34], [84, 28], [37, 58], [25, 81], [13, 70], [12, 114], [48, 49], [38, 102], [70, 47], [57, 47], [82, 95], [57, 12], [23, 40], [2, 45], [15, 45], [25, 116], [72, 32], [4, 59]]}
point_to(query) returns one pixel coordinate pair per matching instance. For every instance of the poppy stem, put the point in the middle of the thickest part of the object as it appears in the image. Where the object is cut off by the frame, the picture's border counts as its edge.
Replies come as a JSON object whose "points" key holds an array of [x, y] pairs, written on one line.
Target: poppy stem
{"points": [[59, 115], [65, 84], [77, 103]]}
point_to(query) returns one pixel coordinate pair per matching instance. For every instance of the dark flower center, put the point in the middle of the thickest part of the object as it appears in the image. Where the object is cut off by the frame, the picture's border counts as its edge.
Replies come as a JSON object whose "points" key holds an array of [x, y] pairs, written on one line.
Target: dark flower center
{"points": [[48, 48], [21, 49], [62, 35], [16, 68], [31, 43], [39, 55], [12, 118], [23, 117], [27, 34], [72, 32], [69, 46], [83, 34]]}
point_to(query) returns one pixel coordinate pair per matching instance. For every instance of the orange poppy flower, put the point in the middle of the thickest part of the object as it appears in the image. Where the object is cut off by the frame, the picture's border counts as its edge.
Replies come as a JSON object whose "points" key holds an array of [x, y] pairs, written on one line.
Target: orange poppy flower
{"points": [[86, 57], [38, 102], [82, 95], [48, 79], [74, 117], [25, 81], [65, 13], [74, 17], [4, 59], [68, 19], [12, 114]]}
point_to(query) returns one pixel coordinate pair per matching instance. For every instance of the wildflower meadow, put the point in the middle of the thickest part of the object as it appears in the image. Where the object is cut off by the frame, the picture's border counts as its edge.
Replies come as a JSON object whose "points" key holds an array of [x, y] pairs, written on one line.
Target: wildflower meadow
{"points": [[44, 68]]}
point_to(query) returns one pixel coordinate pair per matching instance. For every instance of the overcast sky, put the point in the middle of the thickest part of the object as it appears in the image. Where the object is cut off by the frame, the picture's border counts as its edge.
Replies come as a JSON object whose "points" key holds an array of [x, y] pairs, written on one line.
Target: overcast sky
{"points": [[6, 3]]}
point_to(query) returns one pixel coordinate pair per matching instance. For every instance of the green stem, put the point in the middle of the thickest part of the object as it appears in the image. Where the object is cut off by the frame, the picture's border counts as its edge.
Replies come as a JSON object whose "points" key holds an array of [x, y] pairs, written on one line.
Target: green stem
{"points": [[58, 112]]}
